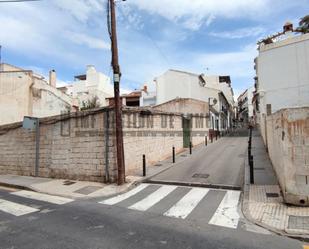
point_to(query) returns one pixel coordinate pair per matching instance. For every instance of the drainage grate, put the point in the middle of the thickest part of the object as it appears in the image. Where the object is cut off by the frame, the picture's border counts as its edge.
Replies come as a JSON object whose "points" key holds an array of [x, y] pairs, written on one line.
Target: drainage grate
{"points": [[183, 155], [298, 222], [158, 164], [272, 195], [200, 176], [259, 168], [68, 183]]}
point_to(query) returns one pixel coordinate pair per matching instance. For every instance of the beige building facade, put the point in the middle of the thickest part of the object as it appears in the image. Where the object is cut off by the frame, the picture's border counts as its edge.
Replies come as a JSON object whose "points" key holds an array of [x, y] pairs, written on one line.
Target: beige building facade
{"points": [[24, 93]]}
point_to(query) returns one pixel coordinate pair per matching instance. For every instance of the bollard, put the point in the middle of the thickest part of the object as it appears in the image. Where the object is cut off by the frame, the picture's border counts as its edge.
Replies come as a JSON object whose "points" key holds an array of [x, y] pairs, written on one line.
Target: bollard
{"points": [[144, 165], [211, 138], [190, 148], [174, 155], [251, 170], [216, 136], [205, 140]]}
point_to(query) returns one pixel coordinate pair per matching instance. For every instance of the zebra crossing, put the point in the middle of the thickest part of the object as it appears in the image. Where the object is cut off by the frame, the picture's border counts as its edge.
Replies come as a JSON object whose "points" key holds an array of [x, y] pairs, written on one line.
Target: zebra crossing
{"points": [[16, 207], [216, 207]]}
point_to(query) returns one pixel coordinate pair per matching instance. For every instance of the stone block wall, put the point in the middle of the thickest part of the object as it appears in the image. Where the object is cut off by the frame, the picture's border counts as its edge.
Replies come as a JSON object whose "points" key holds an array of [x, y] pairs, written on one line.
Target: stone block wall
{"points": [[287, 138], [79, 146], [154, 133], [72, 146]]}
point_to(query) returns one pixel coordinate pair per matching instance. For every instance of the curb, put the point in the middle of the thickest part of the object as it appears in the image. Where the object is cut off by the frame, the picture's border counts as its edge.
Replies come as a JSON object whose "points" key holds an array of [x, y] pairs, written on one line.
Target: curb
{"points": [[10, 185], [195, 184], [247, 215]]}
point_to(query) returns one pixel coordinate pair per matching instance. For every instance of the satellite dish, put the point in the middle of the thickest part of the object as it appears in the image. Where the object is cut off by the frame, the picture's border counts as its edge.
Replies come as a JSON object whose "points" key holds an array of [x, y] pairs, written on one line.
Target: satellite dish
{"points": [[214, 101]]}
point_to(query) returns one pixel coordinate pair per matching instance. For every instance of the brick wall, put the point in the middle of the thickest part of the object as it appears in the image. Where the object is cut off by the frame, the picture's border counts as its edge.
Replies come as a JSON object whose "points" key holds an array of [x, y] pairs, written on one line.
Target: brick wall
{"points": [[288, 145]]}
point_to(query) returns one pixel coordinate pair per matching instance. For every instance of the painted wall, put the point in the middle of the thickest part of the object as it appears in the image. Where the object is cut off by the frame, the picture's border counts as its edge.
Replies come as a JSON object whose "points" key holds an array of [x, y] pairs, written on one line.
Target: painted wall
{"points": [[15, 96], [283, 75]]}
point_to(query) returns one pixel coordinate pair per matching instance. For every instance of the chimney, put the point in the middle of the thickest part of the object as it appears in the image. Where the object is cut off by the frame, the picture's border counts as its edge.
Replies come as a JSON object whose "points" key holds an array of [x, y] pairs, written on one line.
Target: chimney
{"points": [[52, 78], [145, 89]]}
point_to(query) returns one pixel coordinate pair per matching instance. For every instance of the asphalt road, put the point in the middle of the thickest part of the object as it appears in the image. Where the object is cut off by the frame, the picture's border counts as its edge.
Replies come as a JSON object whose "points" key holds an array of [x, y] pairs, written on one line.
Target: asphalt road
{"points": [[220, 163], [90, 224]]}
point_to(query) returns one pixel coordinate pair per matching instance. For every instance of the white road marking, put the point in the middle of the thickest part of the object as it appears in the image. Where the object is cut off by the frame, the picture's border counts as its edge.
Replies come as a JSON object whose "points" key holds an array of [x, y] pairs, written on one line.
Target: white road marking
{"points": [[15, 208], [226, 214], [43, 197], [124, 196], [187, 203], [153, 198]]}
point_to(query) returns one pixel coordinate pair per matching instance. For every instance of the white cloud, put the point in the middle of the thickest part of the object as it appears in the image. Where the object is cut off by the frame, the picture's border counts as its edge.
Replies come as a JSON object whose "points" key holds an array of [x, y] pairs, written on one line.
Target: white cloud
{"points": [[89, 41], [240, 33], [192, 14]]}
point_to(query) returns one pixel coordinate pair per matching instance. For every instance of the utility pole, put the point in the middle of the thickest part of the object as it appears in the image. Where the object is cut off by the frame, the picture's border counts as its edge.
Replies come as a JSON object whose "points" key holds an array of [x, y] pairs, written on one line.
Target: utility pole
{"points": [[118, 104]]}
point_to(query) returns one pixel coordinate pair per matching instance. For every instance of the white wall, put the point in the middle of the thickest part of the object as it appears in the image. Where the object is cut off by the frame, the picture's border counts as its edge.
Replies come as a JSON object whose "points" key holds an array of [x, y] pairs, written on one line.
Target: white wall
{"points": [[96, 84], [283, 73], [173, 84]]}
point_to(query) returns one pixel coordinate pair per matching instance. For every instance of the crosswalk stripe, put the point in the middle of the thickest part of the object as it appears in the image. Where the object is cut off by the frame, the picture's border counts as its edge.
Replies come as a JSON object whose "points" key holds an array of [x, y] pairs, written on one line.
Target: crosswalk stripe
{"points": [[226, 214], [124, 196], [43, 197], [15, 208], [153, 198], [186, 204]]}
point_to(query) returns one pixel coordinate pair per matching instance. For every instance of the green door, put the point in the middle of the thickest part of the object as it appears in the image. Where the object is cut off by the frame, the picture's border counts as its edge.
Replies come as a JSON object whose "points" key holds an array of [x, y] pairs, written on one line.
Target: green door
{"points": [[186, 126]]}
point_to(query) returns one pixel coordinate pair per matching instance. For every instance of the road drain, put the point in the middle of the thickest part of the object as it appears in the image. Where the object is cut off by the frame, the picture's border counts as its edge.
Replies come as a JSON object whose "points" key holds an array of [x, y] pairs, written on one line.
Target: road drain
{"points": [[200, 175], [272, 195]]}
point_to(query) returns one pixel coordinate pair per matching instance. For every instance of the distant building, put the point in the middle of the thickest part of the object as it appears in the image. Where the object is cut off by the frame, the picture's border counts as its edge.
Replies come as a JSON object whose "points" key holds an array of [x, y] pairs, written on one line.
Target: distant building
{"points": [[215, 90], [91, 85], [25, 93], [134, 99], [245, 106]]}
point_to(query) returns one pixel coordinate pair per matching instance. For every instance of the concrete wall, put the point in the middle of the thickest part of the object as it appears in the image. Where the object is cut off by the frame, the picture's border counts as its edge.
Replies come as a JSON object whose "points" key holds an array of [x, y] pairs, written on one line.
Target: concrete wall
{"points": [[287, 138], [283, 75], [22, 93], [15, 96]]}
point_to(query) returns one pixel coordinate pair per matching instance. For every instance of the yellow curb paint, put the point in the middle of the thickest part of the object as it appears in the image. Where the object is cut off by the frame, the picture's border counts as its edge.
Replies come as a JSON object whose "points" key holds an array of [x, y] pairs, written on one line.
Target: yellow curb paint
{"points": [[306, 247]]}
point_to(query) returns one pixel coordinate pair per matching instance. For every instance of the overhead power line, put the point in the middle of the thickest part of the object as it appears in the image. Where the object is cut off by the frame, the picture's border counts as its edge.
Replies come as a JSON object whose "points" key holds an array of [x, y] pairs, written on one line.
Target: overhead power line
{"points": [[17, 1]]}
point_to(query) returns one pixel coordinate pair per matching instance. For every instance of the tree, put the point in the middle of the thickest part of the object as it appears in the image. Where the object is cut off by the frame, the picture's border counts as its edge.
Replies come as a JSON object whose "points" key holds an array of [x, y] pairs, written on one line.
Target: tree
{"points": [[303, 25], [90, 104]]}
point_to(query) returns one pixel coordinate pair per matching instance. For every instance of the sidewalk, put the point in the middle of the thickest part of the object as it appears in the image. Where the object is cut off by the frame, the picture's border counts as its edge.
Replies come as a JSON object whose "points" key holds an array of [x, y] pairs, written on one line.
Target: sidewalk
{"points": [[65, 188], [263, 202]]}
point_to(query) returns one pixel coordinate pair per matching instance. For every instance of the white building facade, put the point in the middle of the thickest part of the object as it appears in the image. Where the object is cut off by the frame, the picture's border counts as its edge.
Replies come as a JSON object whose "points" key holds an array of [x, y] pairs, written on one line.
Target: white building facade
{"points": [[175, 84], [283, 75], [90, 85]]}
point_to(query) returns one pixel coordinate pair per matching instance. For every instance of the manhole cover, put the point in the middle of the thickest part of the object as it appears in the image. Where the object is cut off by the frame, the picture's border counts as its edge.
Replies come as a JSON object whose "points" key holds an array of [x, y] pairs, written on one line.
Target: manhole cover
{"points": [[298, 222], [158, 164], [272, 195], [87, 190], [68, 183], [200, 176], [183, 155]]}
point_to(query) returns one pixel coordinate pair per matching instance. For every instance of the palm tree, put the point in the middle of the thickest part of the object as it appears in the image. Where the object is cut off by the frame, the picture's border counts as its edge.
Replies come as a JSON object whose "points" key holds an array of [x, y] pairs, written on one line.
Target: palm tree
{"points": [[303, 25]]}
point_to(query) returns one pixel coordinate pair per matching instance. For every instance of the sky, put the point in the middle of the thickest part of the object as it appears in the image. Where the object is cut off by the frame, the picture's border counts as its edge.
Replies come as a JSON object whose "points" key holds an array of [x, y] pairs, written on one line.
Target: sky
{"points": [[214, 37]]}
